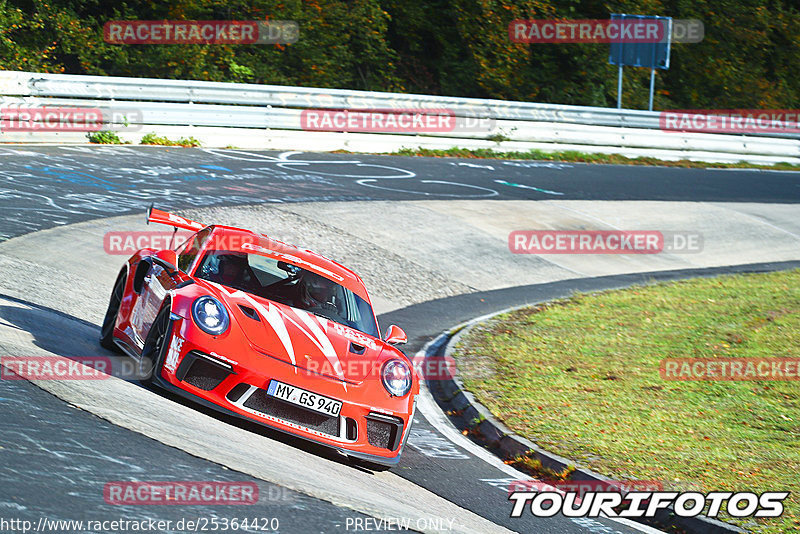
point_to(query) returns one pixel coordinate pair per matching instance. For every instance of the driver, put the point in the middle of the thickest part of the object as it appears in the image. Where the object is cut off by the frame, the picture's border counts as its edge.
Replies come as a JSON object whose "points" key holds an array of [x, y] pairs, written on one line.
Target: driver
{"points": [[317, 293], [231, 271]]}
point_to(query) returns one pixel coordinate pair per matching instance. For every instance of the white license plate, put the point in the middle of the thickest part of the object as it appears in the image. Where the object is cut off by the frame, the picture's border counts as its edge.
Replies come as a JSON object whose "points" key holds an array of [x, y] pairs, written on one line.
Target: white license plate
{"points": [[304, 398]]}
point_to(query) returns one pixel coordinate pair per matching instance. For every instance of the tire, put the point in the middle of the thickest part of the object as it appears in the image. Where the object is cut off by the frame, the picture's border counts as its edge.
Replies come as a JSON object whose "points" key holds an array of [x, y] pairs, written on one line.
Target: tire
{"points": [[372, 466], [155, 346], [110, 320]]}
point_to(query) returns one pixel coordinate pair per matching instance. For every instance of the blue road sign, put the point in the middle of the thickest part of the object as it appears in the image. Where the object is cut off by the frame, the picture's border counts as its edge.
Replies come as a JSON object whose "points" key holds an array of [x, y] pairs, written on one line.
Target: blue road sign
{"points": [[630, 52]]}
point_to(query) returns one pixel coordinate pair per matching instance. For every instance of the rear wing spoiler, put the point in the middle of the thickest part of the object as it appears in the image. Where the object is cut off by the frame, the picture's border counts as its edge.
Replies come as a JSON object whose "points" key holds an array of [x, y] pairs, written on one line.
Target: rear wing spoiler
{"points": [[162, 217]]}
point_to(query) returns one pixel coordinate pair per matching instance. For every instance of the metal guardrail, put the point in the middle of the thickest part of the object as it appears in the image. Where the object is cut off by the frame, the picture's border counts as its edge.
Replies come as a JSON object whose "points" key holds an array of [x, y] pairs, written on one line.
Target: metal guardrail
{"points": [[197, 92], [271, 107]]}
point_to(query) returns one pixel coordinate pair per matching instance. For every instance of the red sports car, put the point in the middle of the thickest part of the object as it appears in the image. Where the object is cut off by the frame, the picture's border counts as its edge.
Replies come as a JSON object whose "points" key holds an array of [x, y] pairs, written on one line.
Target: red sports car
{"points": [[269, 332]]}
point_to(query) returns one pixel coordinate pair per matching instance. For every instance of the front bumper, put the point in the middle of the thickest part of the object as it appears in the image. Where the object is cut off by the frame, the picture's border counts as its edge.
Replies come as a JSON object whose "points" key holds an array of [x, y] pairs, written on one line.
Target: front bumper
{"points": [[369, 426]]}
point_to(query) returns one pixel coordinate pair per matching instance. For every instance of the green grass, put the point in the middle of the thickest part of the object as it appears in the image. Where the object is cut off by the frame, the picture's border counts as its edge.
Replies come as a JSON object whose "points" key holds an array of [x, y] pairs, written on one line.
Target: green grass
{"points": [[105, 138], [582, 157], [153, 139], [581, 378]]}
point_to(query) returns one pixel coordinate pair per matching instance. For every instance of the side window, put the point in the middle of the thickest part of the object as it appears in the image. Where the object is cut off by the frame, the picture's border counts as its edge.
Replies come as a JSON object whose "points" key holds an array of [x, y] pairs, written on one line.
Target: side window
{"points": [[189, 250]]}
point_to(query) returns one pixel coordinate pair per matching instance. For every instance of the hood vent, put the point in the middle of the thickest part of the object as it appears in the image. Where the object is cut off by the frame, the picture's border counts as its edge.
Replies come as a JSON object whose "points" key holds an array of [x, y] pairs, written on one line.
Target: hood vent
{"points": [[357, 349], [250, 312]]}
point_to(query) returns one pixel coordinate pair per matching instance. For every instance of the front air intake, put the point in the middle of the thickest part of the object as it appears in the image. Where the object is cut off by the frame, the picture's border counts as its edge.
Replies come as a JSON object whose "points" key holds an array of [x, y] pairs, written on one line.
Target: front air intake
{"points": [[384, 431], [202, 371]]}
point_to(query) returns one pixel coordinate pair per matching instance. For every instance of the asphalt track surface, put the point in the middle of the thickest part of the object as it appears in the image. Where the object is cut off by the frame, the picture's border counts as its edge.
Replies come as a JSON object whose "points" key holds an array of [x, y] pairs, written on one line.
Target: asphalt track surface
{"points": [[43, 187], [58, 458]]}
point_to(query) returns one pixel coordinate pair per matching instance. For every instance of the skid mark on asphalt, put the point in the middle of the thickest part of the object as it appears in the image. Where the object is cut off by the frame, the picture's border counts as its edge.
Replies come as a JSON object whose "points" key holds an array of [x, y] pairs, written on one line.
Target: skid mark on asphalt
{"points": [[433, 445], [521, 186], [488, 192]]}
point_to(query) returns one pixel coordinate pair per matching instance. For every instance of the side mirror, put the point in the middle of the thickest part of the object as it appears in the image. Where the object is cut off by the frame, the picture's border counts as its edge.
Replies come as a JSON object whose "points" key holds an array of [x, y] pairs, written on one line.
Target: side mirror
{"points": [[395, 335], [167, 258]]}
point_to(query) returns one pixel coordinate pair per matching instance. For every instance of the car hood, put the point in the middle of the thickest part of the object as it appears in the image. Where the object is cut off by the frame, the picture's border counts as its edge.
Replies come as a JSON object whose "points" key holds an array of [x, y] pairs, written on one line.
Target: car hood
{"points": [[307, 341]]}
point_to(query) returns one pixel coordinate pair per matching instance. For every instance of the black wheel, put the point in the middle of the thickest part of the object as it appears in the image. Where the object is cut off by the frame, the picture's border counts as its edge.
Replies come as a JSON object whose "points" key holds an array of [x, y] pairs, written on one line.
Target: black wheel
{"points": [[110, 320], [155, 346]]}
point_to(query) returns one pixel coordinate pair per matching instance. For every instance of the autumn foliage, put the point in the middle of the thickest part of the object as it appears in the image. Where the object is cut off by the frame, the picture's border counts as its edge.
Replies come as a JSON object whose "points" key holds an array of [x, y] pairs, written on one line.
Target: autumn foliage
{"points": [[749, 58]]}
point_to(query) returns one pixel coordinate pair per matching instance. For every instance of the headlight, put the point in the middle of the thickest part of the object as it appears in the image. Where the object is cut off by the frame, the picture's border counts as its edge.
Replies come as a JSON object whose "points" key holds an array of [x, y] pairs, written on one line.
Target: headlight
{"points": [[210, 315], [396, 377]]}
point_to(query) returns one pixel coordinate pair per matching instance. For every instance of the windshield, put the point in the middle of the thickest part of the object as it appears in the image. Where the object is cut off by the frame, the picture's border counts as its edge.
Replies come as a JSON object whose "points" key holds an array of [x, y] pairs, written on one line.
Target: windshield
{"points": [[288, 284]]}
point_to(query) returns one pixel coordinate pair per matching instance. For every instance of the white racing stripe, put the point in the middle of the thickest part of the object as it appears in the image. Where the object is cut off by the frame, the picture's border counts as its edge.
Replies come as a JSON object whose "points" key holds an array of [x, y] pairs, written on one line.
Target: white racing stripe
{"points": [[275, 320], [324, 343], [273, 317]]}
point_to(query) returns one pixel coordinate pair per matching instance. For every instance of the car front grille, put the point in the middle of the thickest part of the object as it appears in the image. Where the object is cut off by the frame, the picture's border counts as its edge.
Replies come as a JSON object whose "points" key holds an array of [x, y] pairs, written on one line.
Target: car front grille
{"points": [[266, 404]]}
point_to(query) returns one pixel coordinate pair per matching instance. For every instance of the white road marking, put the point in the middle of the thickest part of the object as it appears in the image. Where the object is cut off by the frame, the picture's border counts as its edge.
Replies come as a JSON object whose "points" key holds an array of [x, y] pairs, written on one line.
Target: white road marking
{"points": [[472, 165]]}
